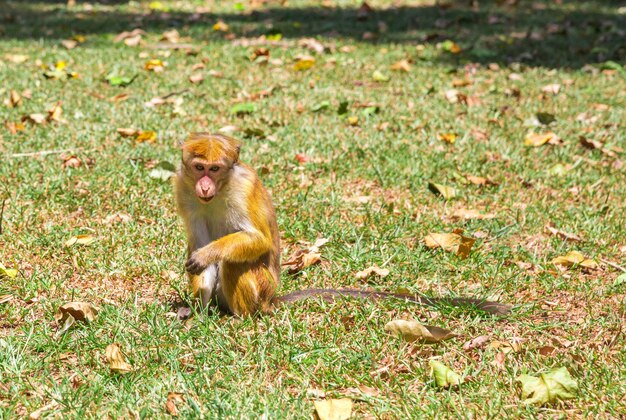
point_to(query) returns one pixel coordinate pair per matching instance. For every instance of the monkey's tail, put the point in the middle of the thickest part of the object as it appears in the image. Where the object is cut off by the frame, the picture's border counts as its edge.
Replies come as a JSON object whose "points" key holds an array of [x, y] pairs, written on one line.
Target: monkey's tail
{"points": [[330, 294]]}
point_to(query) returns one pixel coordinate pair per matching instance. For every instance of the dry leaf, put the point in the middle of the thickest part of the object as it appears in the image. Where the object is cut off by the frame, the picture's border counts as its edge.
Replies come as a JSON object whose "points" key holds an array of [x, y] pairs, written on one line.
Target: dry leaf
{"points": [[339, 409], [116, 360], [301, 259], [562, 234], [14, 127], [536, 140], [220, 26], [447, 137], [479, 180], [573, 258], [128, 132], [80, 240], [476, 343], [368, 272], [196, 78], [402, 65], [155, 65], [54, 113], [15, 99], [451, 242], [173, 398], [445, 191], [444, 376], [413, 331], [70, 161], [117, 218], [80, 311], [146, 137], [310, 44], [304, 63], [467, 214], [69, 43], [7, 272], [35, 118], [554, 88]]}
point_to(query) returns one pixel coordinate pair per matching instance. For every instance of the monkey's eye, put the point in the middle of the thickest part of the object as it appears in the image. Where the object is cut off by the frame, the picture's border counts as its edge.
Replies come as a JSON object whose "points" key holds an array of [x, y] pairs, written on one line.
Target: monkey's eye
{"points": [[199, 167], [214, 168]]}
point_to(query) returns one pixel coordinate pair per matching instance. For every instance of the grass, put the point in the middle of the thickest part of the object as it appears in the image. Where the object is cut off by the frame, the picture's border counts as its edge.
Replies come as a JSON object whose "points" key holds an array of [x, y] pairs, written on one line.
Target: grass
{"points": [[365, 187]]}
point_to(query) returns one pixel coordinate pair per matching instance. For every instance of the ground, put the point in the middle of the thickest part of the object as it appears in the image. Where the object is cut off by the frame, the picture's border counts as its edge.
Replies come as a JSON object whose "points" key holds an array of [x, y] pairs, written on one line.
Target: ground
{"points": [[348, 113]]}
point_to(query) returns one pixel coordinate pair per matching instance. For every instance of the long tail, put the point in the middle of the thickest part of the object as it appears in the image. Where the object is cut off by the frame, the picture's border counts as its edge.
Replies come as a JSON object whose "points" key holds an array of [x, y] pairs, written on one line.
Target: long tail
{"points": [[330, 294]]}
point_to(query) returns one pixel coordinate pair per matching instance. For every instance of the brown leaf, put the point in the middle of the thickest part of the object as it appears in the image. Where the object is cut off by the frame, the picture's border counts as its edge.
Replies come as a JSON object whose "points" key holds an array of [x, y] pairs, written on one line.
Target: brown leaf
{"points": [[34, 118], [553, 88], [124, 35], [69, 43], [116, 360], [173, 398], [479, 180], [368, 272], [476, 343], [71, 161], [14, 128], [54, 113], [414, 331], [80, 240], [340, 409], [15, 99], [562, 234], [311, 44], [81, 311]]}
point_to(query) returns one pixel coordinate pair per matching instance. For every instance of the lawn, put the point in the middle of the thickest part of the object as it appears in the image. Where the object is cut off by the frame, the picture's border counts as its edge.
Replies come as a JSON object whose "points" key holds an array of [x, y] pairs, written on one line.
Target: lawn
{"points": [[348, 113]]}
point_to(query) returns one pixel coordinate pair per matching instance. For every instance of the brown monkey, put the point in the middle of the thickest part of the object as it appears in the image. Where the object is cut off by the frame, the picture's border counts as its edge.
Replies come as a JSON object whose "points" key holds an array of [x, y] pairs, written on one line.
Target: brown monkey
{"points": [[232, 235]]}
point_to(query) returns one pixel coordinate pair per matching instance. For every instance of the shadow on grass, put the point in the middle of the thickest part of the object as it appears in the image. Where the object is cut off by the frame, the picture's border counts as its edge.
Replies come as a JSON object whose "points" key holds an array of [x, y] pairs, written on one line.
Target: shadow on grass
{"points": [[552, 35]]}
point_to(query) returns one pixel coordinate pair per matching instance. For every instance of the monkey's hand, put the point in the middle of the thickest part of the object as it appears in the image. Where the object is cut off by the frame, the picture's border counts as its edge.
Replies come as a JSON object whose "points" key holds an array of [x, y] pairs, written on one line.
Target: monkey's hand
{"points": [[199, 260]]}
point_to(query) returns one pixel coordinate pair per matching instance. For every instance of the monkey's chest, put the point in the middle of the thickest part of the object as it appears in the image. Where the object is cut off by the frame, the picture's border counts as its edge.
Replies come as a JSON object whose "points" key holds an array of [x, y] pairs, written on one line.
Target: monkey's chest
{"points": [[214, 224]]}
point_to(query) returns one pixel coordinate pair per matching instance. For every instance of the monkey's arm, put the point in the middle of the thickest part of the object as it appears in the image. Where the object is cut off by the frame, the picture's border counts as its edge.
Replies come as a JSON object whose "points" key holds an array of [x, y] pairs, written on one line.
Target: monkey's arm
{"points": [[238, 247]]}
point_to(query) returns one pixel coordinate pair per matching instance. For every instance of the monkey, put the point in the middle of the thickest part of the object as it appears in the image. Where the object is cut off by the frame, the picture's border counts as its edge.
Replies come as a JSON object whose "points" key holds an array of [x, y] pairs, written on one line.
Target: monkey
{"points": [[233, 244]]}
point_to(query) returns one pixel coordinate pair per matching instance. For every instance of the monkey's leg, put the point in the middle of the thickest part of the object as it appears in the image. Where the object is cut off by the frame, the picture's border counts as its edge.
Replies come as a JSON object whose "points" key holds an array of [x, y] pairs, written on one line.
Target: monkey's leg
{"points": [[247, 288], [204, 285]]}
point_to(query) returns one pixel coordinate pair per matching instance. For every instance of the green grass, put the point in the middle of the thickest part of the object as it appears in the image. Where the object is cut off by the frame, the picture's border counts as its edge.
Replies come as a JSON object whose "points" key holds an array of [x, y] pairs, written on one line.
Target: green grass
{"points": [[234, 368]]}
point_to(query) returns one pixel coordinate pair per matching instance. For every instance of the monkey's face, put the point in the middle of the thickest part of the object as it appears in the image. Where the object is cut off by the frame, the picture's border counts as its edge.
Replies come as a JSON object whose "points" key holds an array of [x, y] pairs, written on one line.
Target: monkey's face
{"points": [[208, 177]]}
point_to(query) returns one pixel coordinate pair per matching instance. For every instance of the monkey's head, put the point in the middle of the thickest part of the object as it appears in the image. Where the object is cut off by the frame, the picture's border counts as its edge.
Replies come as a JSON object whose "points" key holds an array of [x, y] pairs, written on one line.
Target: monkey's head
{"points": [[207, 162]]}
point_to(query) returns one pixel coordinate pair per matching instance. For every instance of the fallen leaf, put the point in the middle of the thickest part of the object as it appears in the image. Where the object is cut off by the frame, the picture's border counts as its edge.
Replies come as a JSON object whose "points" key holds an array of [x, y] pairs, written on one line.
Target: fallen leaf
{"points": [[16, 58], [536, 140], [353, 121], [447, 137], [173, 398], [451, 47], [69, 43], [243, 109], [444, 376], [468, 214], [220, 26], [304, 63], [15, 99], [117, 218], [70, 161], [34, 118], [116, 360], [154, 65], [402, 65], [196, 78], [117, 80], [476, 343], [379, 76], [7, 272], [573, 258], [562, 234], [54, 113], [163, 171], [171, 36], [80, 311], [146, 137], [479, 180], [553, 88], [442, 190], [312, 44], [451, 242], [14, 127], [552, 386], [339, 409], [368, 272], [414, 331], [80, 240], [545, 118], [128, 132]]}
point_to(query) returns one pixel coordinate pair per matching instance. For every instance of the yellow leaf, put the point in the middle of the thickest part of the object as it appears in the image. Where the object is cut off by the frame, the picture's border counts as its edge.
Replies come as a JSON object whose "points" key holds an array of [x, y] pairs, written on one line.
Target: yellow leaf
{"points": [[340, 409], [352, 120], [444, 376], [442, 190], [402, 65], [451, 242], [368, 272], [447, 137], [7, 272], [220, 26], [60, 65], [54, 113], [574, 258], [536, 140], [146, 137], [115, 357], [304, 63], [80, 240], [155, 65]]}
